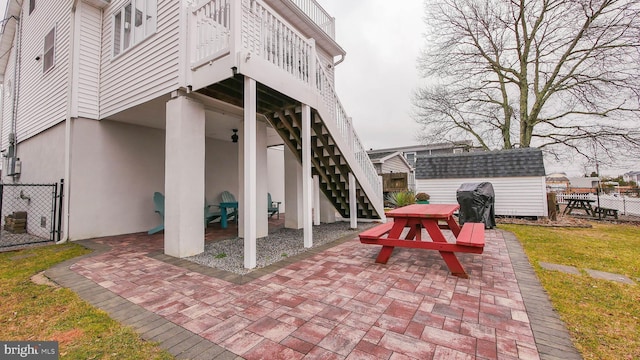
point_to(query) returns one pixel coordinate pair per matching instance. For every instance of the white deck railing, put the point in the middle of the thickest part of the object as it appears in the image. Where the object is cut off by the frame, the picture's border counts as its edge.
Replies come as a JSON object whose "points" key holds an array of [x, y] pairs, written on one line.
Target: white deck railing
{"points": [[212, 20], [318, 15], [269, 36], [280, 43]]}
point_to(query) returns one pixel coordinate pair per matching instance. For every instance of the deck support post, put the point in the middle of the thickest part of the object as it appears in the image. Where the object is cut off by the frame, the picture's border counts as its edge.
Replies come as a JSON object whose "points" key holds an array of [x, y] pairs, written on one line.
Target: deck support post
{"points": [[307, 194], [316, 200], [249, 195], [353, 205], [184, 177]]}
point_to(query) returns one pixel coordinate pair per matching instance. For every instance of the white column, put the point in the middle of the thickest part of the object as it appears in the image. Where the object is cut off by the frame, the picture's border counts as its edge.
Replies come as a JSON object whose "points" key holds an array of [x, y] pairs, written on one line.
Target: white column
{"points": [[262, 220], [307, 195], [249, 203], [316, 200], [184, 178], [353, 205], [292, 190]]}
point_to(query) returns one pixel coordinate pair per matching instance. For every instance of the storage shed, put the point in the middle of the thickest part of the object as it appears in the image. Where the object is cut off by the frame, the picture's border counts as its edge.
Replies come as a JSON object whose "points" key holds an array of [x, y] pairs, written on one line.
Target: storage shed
{"points": [[517, 176]]}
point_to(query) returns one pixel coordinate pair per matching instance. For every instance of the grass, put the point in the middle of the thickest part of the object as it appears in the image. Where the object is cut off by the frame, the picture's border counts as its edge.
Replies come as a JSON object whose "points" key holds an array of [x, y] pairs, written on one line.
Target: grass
{"points": [[602, 316], [32, 312]]}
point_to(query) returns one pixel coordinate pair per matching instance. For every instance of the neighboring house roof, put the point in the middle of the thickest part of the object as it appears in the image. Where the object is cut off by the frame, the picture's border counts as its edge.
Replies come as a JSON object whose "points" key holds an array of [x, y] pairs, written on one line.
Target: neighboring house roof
{"points": [[416, 148], [502, 163], [557, 177], [378, 157], [632, 173], [584, 182]]}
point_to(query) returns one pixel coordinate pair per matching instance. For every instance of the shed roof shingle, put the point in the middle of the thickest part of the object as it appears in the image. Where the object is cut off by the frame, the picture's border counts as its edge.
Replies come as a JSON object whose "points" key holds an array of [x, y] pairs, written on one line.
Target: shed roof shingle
{"points": [[502, 163]]}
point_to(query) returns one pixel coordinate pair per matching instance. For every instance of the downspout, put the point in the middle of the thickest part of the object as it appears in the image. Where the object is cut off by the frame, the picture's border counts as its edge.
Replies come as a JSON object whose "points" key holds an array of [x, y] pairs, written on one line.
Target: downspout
{"points": [[339, 61], [67, 124], [13, 143]]}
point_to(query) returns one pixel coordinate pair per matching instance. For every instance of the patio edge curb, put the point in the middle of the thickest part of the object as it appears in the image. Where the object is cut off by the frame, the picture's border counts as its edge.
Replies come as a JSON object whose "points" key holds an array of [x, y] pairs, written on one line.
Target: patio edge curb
{"points": [[550, 332], [178, 341]]}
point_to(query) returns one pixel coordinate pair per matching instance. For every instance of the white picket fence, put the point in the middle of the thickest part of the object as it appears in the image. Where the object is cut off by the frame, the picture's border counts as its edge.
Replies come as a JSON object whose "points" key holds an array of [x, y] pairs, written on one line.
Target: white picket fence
{"points": [[625, 205]]}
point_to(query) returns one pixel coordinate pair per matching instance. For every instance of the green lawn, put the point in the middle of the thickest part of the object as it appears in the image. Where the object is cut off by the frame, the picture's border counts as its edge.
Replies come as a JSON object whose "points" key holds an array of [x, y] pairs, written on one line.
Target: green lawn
{"points": [[603, 317], [41, 313]]}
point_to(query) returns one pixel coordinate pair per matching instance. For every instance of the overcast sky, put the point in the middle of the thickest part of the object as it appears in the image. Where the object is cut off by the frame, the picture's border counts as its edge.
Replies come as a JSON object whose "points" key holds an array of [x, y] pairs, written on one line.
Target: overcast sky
{"points": [[376, 81]]}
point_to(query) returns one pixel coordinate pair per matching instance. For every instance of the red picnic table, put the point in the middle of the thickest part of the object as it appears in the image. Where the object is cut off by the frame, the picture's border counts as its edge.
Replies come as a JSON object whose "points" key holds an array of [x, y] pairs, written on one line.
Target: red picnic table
{"points": [[433, 218]]}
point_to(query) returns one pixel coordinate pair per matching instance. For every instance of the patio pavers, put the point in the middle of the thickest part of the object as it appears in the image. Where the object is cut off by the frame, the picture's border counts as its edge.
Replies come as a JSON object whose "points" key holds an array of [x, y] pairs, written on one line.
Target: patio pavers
{"points": [[333, 303]]}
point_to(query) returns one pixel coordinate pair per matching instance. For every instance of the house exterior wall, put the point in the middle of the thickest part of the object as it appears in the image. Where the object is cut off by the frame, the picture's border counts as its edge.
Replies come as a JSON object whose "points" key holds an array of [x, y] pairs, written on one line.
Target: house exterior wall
{"points": [[87, 81], [117, 167], [396, 165], [275, 173], [126, 80], [42, 157], [37, 108], [221, 172], [521, 196]]}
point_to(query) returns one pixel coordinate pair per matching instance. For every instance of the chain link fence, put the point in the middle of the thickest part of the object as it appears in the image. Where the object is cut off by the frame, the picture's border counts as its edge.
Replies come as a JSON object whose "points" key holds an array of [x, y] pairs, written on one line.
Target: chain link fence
{"points": [[29, 214]]}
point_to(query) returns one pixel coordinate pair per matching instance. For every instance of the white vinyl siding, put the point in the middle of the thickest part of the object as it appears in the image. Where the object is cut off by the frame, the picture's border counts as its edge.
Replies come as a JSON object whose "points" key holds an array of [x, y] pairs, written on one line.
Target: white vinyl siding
{"points": [[43, 101], [146, 71], [396, 165], [515, 196], [88, 78]]}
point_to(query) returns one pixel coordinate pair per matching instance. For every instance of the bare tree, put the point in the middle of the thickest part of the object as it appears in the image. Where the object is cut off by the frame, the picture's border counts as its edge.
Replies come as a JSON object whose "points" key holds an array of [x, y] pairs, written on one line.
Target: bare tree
{"points": [[520, 73]]}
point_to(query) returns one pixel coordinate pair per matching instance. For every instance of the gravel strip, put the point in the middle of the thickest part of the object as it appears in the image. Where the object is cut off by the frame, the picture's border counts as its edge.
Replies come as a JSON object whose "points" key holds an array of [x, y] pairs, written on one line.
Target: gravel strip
{"points": [[10, 241], [229, 254]]}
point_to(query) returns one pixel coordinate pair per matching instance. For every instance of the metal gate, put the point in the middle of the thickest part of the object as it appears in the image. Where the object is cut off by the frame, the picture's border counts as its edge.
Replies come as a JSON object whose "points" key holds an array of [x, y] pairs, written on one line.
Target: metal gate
{"points": [[29, 213]]}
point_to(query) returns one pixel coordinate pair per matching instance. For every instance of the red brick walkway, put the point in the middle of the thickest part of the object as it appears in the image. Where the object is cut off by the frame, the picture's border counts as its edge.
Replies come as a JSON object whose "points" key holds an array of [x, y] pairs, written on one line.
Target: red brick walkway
{"points": [[338, 304]]}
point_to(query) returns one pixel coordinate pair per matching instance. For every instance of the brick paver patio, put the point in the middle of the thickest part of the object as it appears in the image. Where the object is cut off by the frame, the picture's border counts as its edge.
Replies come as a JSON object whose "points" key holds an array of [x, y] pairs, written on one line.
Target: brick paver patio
{"points": [[334, 303]]}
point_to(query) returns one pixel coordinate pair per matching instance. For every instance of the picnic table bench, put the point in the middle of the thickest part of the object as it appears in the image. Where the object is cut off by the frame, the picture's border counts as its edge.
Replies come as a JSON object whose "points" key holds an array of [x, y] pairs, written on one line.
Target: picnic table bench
{"points": [[605, 212], [469, 239]]}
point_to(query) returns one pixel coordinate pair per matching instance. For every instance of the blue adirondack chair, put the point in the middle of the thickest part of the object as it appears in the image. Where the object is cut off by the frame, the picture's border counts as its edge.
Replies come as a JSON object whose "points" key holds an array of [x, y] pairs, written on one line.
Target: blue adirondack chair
{"points": [[228, 197], [273, 206], [158, 202], [209, 215]]}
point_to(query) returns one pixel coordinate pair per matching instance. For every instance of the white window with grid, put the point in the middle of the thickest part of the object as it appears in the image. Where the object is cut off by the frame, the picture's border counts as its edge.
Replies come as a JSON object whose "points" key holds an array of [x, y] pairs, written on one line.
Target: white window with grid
{"points": [[134, 22], [49, 54]]}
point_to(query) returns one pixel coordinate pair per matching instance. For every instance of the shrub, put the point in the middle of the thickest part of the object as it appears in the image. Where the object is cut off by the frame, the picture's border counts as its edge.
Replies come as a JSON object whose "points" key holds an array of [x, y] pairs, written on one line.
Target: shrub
{"points": [[402, 198], [422, 196]]}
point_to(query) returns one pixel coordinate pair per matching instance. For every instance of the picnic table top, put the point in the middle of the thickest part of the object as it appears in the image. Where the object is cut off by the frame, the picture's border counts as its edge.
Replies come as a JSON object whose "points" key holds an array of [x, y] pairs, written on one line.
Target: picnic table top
{"points": [[430, 211]]}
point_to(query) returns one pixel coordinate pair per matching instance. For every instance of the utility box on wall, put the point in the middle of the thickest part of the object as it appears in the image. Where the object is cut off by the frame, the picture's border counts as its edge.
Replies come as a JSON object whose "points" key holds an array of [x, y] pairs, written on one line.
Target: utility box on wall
{"points": [[12, 166]]}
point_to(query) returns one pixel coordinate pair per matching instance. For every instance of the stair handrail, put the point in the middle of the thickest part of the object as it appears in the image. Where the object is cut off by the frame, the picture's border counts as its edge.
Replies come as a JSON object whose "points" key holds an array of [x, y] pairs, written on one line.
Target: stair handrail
{"points": [[345, 126]]}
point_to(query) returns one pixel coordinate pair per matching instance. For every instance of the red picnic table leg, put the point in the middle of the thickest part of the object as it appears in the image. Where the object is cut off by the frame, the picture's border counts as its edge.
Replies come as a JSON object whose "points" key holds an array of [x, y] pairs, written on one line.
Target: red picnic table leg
{"points": [[449, 257], [396, 231]]}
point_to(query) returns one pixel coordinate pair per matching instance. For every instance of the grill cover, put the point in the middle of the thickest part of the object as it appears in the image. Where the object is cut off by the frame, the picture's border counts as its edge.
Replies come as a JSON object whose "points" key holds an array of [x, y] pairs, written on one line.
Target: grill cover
{"points": [[477, 204]]}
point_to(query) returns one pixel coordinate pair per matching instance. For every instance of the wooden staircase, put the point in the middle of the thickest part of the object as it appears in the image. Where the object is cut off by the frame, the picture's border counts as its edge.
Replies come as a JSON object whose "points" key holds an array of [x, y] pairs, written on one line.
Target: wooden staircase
{"points": [[328, 162], [284, 115]]}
